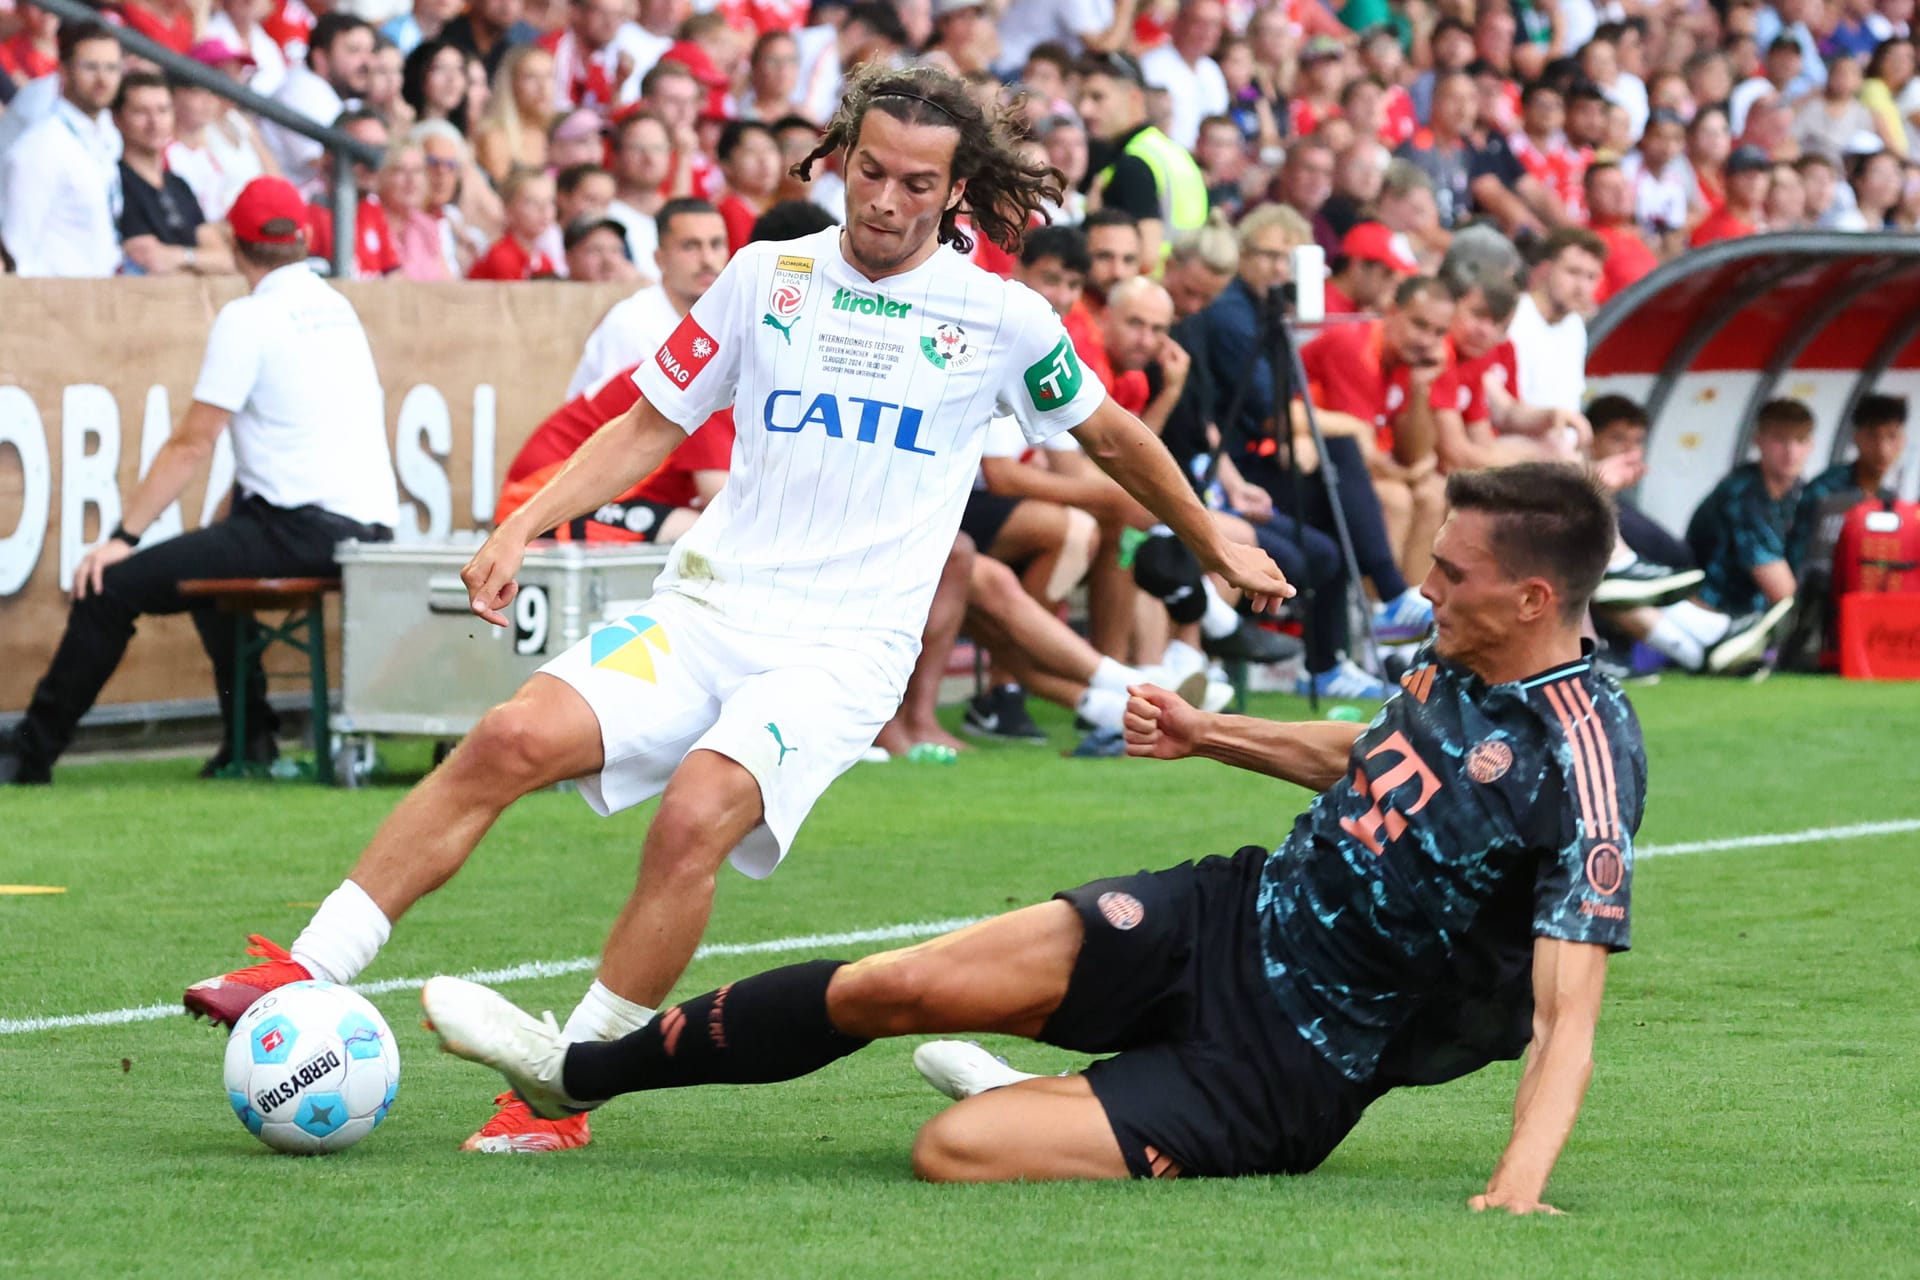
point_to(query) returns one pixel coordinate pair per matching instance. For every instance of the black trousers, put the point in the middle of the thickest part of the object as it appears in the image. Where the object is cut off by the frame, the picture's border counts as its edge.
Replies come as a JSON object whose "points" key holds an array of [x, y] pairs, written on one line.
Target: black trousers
{"points": [[256, 540], [1646, 539], [1358, 502]]}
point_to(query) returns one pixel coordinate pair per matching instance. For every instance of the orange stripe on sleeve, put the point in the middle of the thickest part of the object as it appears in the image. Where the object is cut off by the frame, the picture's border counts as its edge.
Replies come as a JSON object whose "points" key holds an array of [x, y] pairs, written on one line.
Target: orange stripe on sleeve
{"points": [[1583, 784], [1610, 792]]}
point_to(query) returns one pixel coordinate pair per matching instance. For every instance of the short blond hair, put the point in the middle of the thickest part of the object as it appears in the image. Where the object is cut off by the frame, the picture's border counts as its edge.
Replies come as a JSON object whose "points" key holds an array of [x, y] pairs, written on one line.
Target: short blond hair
{"points": [[1299, 231], [1214, 246]]}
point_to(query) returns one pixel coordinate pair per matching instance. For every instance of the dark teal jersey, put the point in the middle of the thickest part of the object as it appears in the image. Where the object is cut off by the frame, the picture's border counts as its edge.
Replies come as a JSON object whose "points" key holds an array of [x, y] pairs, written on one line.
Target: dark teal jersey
{"points": [[1398, 919], [1824, 503], [1737, 528]]}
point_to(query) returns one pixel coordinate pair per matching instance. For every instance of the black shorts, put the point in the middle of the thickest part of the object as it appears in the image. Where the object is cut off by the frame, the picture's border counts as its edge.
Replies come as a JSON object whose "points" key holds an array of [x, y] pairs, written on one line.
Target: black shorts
{"points": [[985, 515], [1211, 1078], [634, 521]]}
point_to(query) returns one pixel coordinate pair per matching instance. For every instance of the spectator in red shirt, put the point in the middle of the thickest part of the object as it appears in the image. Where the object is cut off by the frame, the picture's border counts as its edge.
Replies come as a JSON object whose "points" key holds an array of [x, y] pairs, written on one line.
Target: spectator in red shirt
{"points": [[1610, 216], [172, 23], [1749, 170], [35, 50], [660, 508], [1383, 374], [1114, 249], [1478, 421], [1384, 59], [588, 68], [671, 92], [1054, 263], [516, 255], [1373, 261], [750, 157], [374, 251], [1541, 147], [1316, 88]]}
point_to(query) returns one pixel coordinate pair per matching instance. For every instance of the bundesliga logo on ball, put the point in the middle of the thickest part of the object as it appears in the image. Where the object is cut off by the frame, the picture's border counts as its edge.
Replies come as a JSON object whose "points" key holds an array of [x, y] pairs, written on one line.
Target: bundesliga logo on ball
{"points": [[311, 1068]]}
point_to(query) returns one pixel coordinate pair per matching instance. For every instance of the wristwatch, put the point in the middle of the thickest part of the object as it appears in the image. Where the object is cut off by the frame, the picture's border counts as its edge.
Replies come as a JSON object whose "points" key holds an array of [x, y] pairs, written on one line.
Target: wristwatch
{"points": [[120, 534]]}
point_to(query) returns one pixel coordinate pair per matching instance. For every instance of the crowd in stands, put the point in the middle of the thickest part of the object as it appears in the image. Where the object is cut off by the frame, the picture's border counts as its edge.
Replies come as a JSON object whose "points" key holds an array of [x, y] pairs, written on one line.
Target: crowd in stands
{"points": [[1657, 126], [1480, 175]]}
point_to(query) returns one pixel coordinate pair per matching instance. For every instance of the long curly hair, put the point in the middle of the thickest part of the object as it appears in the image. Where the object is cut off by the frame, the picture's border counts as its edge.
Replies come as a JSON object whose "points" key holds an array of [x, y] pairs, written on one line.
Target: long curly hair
{"points": [[1004, 188]]}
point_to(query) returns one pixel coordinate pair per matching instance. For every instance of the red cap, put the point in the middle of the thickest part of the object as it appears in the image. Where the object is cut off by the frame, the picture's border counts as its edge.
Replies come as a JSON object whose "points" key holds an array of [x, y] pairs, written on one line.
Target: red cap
{"points": [[261, 208], [1375, 242]]}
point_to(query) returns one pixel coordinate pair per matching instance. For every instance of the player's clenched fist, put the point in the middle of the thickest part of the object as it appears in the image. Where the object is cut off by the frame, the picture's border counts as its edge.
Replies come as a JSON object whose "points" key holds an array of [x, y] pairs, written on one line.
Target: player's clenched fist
{"points": [[489, 576], [1159, 725]]}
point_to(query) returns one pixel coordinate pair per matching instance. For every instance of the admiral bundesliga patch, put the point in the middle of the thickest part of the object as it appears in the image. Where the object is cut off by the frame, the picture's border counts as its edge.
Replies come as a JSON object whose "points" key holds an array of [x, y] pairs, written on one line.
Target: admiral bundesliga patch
{"points": [[686, 352], [787, 294]]}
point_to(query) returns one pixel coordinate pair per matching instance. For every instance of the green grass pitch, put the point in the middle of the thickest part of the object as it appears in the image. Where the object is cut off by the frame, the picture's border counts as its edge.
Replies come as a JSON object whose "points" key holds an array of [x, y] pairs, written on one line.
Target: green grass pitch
{"points": [[1752, 1113]]}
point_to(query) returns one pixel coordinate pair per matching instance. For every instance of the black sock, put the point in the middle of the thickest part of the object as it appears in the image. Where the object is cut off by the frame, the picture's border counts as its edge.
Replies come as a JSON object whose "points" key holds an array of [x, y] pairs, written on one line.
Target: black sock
{"points": [[772, 1026]]}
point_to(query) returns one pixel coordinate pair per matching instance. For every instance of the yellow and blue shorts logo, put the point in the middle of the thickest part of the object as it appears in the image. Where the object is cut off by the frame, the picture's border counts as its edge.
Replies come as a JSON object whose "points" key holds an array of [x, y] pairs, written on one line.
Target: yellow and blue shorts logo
{"points": [[627, 646]]}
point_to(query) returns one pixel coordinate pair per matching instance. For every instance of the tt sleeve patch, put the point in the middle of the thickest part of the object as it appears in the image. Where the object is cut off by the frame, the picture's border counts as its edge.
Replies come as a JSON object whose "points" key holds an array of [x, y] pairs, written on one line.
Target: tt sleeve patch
{"points": [[686, 352], [1054, 380]]}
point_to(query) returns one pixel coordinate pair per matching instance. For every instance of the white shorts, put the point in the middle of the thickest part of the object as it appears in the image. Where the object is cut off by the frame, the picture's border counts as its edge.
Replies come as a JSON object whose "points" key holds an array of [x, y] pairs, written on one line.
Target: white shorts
{"points": [[675, 677]]}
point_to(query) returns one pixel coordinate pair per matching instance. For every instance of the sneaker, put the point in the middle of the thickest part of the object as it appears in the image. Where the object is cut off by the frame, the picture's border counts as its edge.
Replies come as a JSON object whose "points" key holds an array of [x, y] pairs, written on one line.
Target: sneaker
{"points": [[961, 1068], [515, 1130], [1345, 681], [223, 999], [262, 751], [1745, 644], [1001, 713], [1100, 744], [16, 769], [483, 1026], [1408, 616], [1219, 695], [1251, 642], [1642, 583]]}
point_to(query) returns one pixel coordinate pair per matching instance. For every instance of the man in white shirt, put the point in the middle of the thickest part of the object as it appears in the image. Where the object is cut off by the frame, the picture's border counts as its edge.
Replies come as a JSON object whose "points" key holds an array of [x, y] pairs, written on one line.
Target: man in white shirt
{"points": [[61, 195], [1549, 331], [693, 249], [1095, 26], [234, 24], [339, 58], [863, 366], [288, 368], [1186, 70]]}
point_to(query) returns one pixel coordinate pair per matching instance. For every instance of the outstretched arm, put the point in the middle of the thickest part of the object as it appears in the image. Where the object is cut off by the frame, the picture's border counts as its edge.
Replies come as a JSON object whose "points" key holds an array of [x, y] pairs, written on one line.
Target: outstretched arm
{"points": [[614, 459], [1568, 978], [1311, 753], [1123, 447]]}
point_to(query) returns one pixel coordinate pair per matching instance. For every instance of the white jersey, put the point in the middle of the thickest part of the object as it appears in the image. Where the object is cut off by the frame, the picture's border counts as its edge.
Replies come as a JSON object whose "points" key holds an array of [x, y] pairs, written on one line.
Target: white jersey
{"points": [[860, 408]]}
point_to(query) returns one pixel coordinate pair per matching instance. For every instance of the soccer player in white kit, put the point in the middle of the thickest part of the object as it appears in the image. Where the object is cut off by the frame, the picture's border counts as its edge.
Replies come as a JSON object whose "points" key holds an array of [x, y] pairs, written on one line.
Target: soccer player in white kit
{"points": [[864, 364]]}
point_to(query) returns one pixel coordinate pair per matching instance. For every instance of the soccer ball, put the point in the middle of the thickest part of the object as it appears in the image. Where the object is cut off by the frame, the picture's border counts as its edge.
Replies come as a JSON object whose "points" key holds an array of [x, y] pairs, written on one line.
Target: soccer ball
{"points": [[311, 1068]]}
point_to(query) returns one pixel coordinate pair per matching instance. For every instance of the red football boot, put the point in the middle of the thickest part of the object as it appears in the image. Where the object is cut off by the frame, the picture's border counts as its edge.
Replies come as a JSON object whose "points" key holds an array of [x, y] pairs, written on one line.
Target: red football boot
{"points": [[223, 999], [515, 1129]]}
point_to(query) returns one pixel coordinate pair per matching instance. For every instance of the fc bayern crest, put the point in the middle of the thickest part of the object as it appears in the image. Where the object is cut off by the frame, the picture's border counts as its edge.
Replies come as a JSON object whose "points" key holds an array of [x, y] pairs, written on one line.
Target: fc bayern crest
{"points": [[946, 347]]}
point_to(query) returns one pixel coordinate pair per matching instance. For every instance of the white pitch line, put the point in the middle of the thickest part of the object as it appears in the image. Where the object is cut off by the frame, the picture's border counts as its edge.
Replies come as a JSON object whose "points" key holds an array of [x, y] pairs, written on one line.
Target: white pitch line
{"points": [[898, 932], [1813, 835], [521, 972]]}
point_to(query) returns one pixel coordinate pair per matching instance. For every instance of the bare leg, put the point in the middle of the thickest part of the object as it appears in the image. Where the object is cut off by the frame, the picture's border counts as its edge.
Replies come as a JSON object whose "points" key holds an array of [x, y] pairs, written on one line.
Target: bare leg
{"points": [[1009, 621], [1047, 1130], [710, 805], [546, 733], [917, 721], [1110, 592], [1429, 512], [1396, 513]]}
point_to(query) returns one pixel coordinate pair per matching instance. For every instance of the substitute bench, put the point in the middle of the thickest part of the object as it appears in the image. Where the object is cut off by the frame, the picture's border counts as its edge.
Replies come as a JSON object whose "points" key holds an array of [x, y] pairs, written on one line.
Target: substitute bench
{"points": [[302, 600]]}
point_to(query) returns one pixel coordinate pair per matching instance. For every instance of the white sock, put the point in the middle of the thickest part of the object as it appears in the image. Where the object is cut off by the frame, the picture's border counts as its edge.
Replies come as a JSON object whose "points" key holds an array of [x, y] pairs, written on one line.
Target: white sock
{"points": [[344, 935], [1220, 621], [1181, 660], [1114, 675], [602, 1015], [1671, 639], [1704, 625], [1622, 557], [1104, 707]]}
